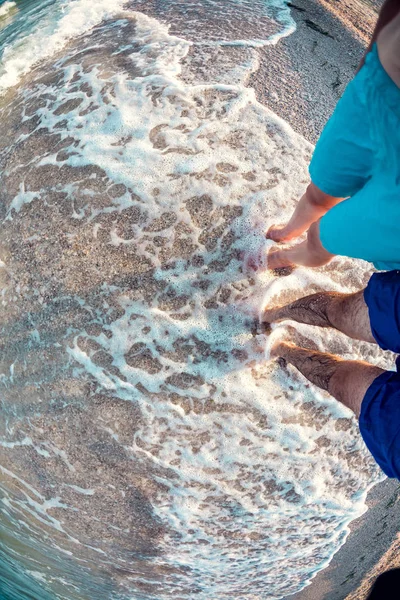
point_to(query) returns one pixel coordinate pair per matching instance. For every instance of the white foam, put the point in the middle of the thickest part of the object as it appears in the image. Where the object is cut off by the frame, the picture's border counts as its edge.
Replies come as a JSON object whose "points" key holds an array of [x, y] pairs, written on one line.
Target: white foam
{"points": [[52, 34], [20, 199], [37, 575], [6, 8], [231, 23], [80, 490]]}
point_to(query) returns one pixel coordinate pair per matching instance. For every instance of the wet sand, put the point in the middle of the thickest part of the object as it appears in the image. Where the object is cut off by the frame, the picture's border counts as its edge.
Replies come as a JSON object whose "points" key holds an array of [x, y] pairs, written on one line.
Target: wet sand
{"points": [[301, 79]]}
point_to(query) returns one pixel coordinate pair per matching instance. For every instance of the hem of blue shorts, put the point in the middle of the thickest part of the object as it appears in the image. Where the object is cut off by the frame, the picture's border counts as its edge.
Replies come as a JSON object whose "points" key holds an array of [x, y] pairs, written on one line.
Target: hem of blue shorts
{"points": [[371, 392], [369, 397], [379, 265], [382, 265], [322, 239], [367, 292], [331, 191]]}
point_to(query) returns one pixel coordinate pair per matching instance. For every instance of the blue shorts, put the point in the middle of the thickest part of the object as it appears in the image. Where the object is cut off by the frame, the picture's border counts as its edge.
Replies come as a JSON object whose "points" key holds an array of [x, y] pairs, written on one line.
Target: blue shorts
{"points": [[380, 409], [358, 157]]}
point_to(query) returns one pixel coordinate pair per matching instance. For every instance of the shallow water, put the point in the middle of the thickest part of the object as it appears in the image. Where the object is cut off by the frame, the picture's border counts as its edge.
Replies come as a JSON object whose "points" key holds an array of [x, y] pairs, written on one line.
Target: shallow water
{"points": [[148, 448]]}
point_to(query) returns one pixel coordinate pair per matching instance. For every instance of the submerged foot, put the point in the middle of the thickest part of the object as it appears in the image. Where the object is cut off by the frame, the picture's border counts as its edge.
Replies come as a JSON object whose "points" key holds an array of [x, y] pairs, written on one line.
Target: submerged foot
{"points": [[278, 262], [270, 315], [280, 349]]}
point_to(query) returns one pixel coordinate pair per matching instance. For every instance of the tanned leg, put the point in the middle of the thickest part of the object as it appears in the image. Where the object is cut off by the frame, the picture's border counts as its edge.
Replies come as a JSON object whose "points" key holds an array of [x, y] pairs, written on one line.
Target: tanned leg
{"points": [[311, 207], [347, 313], [346, 380], [310, 253]]}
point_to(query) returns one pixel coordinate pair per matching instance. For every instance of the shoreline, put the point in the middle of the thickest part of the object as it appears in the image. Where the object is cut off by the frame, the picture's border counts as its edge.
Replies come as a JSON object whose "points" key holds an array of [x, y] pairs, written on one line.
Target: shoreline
{"points": [[303, 76], [301, 79]]}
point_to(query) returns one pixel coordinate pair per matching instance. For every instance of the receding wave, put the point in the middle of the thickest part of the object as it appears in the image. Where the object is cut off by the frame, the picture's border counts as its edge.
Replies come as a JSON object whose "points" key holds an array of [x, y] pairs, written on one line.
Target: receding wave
{"points": [[6, 8]]}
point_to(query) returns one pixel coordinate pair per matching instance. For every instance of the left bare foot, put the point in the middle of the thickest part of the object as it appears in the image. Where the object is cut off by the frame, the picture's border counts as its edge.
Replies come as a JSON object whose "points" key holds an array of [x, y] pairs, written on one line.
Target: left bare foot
{"points": [[278, 262]]}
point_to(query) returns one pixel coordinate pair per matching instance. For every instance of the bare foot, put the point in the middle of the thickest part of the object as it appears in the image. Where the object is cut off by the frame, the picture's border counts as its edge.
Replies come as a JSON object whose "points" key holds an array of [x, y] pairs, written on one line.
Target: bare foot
{"points": [[278, 262], [270, 315], [279, 234], [299, 339], [279, 349], [276, 233]]}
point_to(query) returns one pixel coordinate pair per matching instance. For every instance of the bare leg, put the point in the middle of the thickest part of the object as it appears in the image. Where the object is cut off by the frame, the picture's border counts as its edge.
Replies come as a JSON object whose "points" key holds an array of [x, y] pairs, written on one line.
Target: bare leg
{"points": [[346, 380], [310, 253], [311, 207], [347, 313]]}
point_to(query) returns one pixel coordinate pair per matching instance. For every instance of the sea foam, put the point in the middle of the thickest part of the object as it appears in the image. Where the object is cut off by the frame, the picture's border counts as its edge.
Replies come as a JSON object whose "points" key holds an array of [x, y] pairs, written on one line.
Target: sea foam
{"points": [[51, 34], [6, 7], [245, 23]]}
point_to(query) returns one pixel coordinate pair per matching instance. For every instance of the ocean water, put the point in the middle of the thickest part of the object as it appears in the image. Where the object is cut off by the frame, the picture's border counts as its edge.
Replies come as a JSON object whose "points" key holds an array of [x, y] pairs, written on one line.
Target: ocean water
{"points": [[148, 447]]}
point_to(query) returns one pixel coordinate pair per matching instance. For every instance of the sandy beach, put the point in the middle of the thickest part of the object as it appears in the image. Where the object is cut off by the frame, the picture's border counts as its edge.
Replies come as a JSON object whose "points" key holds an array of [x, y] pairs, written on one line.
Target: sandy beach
{"points": [[301, 79]]}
